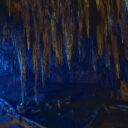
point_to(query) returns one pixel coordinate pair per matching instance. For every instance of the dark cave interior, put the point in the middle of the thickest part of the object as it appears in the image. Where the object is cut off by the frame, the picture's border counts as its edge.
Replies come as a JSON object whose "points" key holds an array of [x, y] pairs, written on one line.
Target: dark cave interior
{"points": [[63, 63]]}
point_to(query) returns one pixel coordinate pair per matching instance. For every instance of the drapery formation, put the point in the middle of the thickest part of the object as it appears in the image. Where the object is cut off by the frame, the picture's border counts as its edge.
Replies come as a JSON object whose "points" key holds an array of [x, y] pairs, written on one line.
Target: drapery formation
{"points": [[52, 26]]}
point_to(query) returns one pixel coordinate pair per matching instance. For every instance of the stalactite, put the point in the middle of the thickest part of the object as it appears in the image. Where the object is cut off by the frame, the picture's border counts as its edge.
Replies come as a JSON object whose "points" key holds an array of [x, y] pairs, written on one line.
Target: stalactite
{"points": [[119, 5], [26, 20], [53, 33], [80, 16], [98, 4], [102, 27], [115, 53], [69, 28], [35, 61], [55, 22], [49, 40], [36, 54], [100, 40], [87, 16], [22, 62], [59, 37], [28, 36], [69, 49], [9, 6]]}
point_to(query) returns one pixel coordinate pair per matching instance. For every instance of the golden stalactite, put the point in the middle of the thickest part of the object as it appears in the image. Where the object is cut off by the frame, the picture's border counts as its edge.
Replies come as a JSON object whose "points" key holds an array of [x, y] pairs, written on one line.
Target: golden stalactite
{"points": [[59, 38], [98, 4], [69, 29], [102, 27], [105, 19], [35, 64], [81, 24], [119, 4], [25, 16], [99, 36], [108, 7], [14, 9], [58, 54], [115, 52], [47, 46], [46, 54], [87, 15], [28, 36], [44, 58], [9, 4], [53, 32], [36, 55], [55, 23], [69, 49]]}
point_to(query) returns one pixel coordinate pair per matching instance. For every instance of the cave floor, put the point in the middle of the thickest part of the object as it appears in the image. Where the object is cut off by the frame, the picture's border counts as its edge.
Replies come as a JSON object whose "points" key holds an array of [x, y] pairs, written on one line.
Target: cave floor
{"points": [[66, 117], [80, 114], [117, 118], [74, 115], [6, 121]]}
